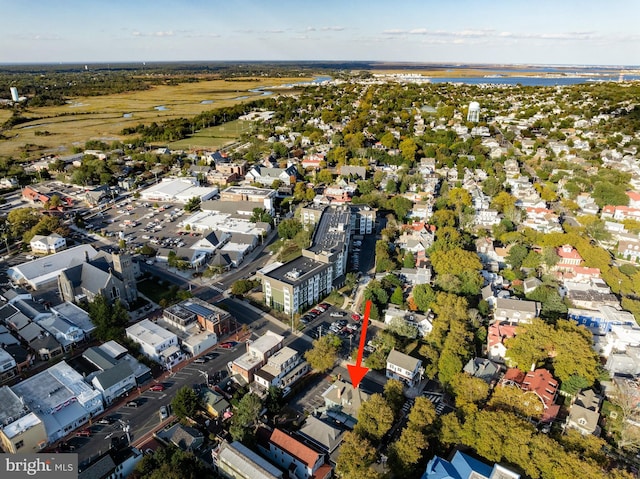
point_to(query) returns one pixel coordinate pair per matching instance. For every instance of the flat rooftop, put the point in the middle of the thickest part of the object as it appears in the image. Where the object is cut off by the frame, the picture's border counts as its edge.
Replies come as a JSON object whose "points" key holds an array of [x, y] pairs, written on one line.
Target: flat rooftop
{"points": [[149, 333], [296, 271], [249, 191], [332, 230]]}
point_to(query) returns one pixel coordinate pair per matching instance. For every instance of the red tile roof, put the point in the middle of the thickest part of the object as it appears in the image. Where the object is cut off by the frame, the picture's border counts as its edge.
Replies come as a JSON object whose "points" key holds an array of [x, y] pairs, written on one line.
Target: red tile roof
{"points": [[543, 384], [294, 448], [633, 195], [498, 332]]}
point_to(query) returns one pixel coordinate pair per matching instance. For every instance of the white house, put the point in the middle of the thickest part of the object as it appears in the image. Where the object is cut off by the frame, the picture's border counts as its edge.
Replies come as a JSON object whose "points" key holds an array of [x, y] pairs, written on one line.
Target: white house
{"points": [[291, 454], [156, 342], [47, 244], [404, 367], [516, 311], [114, 381]]}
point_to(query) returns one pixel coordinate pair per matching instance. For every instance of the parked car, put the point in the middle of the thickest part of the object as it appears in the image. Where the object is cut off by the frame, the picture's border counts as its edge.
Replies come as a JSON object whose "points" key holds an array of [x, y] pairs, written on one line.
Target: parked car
{"points": [[132, 404], [106, 420], [355, 317], [325, 305], [337, 314], [157, 387], [227, 345], [84, 433], [164, 414], [211, 355], [201, 360]]}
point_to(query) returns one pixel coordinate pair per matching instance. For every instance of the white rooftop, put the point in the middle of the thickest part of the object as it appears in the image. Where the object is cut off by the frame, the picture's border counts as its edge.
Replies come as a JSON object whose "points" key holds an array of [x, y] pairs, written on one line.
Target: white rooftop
{"points": [[21, 425], [149, 333], [47, 268]]}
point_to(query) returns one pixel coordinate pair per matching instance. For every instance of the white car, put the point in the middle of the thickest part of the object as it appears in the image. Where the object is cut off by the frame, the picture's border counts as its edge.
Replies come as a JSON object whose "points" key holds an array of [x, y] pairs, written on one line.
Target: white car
{"points": [[337, 315], [29, 257]]}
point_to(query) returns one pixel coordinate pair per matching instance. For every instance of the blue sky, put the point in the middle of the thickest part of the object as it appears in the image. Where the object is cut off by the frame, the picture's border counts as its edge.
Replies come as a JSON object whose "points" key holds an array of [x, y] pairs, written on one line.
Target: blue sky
{"points": [[470, 31]]}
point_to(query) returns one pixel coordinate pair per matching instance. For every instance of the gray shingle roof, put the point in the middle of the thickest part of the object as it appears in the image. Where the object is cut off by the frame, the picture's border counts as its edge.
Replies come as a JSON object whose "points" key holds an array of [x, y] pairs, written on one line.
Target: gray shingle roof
{"points": [[114, 375]]}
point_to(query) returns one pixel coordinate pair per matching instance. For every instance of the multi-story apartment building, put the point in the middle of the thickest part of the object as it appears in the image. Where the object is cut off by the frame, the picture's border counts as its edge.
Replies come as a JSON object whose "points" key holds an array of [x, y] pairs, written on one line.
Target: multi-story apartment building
{"points": [[302, 282], [258, 352]]}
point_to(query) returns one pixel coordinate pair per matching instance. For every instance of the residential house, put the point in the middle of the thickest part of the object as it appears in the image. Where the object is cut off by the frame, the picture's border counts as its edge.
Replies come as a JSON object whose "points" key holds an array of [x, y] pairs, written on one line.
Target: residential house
{"points": [[530, 285], [111, 354], [422, 323], [484, 369], [26, 434], [324, 436], [414, 276], [516, 311], [629, 250], [214, 403], [343, 401], [463, 466], [113, 464], [267, 176], [257, 355], [8, 366], [185, 437], [497, 333], [601, 320], [52, 243], [404, 368], [539, 381], [236, 461], [283, 369], [584, 413], [302, 461], [65, 332], [114, 381], [617, 339], [156, 342]]}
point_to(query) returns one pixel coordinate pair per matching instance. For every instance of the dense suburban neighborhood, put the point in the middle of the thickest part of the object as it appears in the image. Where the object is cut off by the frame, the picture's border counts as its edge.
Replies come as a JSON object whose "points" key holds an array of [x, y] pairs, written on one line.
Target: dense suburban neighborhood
{"points": [[197, 308]]}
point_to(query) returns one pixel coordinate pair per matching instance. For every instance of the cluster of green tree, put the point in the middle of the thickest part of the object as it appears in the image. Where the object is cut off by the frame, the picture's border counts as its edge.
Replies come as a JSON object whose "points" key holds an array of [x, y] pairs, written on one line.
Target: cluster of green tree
{"points": [[451, 341], [245, 418], [375, 419], [170, 462], [192, 204], [553, 307], [24, 223], [322, 356], [261, 215], [179, 128], [55, 88], [458, 271], [185, 403], [565, 348], [501, 436], [243, 286], [379, 292], [110, 319]]}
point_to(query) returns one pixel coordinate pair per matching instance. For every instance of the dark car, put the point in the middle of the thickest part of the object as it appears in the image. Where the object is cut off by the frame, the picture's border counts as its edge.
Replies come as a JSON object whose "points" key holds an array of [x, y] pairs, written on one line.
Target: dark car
{"points": [[106, 420]]}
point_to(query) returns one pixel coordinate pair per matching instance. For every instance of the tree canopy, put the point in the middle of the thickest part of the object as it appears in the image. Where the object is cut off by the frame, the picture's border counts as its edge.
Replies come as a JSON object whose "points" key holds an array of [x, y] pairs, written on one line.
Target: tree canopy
{"points": [[322, 356]]}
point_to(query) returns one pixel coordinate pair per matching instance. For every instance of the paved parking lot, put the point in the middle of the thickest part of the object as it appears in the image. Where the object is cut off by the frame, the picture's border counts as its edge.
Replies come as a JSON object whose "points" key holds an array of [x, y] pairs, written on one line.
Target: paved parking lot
{"points": [[141, 222]]}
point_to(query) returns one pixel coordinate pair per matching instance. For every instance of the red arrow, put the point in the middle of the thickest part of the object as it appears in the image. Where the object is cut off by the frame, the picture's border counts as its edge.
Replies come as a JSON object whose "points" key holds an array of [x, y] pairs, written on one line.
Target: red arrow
{"points": [[357, 371]]}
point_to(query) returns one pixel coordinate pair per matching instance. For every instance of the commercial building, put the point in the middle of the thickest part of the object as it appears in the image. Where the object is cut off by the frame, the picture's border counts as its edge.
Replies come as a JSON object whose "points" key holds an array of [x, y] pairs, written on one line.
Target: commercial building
{"points": [[60, 398], [43, 272], [293, 286], [178, 190], [257, 197]]}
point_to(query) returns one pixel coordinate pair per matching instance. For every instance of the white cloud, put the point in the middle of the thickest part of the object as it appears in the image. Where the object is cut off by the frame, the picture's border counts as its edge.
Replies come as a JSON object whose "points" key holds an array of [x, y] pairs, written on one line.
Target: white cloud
{"points": [[491, 33], [168, 33]]}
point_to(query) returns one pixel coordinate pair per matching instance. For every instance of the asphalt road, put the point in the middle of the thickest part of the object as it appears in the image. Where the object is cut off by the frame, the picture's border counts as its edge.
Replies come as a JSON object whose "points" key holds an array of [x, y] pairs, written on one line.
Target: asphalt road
{"points": [[145, 418]]}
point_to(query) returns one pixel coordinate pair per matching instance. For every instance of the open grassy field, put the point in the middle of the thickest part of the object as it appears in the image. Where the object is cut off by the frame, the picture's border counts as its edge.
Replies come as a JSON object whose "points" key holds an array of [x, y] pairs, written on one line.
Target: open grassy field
{"points": [[104, 117], [213, 137]]}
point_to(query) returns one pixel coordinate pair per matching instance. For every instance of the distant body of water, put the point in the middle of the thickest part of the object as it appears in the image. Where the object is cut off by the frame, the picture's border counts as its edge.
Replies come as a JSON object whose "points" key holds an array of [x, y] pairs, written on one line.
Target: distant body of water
{"points": [[531, 81]]}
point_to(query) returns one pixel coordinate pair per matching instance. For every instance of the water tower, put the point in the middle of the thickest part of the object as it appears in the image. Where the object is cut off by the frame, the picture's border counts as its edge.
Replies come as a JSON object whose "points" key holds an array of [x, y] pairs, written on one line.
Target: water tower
{"points": [[14, 94], [473, 115]]}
